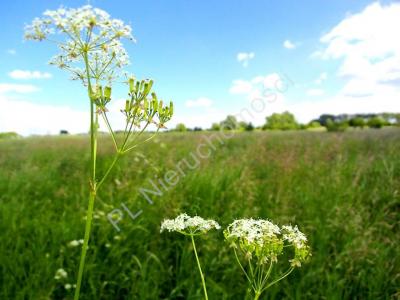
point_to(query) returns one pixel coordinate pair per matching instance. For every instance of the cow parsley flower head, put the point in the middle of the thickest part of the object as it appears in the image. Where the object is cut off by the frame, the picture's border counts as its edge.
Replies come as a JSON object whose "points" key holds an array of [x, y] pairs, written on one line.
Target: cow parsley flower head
{"points": [[260, 238], [189, 225], [261, 244], [265, 241], [88, 32]]}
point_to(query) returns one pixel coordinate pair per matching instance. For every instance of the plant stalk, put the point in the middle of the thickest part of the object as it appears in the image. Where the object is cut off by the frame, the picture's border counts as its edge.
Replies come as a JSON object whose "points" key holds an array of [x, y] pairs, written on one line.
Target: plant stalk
{"points": [[201, 272], [92, 193], [257, 296]]}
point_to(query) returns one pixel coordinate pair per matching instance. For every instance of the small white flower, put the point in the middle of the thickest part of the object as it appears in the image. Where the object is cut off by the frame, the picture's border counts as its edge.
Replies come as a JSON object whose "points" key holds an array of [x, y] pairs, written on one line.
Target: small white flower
{"points": [[189, 225], [60, 274], [68, 286]]}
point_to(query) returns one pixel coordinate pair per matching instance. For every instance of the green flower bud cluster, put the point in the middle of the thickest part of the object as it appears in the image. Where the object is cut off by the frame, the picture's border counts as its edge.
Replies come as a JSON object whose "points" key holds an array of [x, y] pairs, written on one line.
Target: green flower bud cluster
{"points": [[101, 97], [141, 107]]}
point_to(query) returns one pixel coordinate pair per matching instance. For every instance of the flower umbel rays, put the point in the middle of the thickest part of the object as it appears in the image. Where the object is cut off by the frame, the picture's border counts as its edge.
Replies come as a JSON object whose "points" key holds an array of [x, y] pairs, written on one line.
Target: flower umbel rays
{"points": [[191, 226], [261, 244]]}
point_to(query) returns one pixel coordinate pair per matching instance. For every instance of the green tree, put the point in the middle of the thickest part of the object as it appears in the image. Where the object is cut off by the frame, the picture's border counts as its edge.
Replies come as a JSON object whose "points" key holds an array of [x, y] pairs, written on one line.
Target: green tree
{"points": [[376, 122], [249, 127], [283, 121], [215, 127], [230, 123], [338, 126], [314, 124], [180, 127], [357, 122]]}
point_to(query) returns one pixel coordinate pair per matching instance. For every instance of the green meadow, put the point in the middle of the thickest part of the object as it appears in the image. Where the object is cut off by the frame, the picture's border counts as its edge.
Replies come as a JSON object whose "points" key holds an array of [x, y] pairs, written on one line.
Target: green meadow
{"points": [[341, 189]]}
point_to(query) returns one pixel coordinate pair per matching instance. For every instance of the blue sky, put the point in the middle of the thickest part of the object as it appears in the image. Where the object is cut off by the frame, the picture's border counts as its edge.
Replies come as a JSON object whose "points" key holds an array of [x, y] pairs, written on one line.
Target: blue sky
{"points": [[213, 58]]}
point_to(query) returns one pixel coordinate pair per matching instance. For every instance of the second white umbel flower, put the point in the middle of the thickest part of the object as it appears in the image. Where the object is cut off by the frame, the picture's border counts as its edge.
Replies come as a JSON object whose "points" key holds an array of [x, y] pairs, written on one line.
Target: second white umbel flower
{"points": [[188, 225]]}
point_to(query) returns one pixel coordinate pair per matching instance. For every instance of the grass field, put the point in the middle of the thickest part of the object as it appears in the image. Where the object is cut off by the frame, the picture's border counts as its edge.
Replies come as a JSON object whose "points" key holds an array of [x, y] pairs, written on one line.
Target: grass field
{"points": [[341, 189]]}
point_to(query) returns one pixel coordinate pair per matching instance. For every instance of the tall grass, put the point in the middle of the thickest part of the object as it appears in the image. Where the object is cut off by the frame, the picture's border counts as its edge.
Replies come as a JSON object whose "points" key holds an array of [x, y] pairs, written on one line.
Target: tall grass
{"points": [[341, 189]]}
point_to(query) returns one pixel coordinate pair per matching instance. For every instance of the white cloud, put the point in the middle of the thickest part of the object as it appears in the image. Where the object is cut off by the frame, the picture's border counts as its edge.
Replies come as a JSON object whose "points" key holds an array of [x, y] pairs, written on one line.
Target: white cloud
{"points": [[12, 51], [260, 86], [366, 43], [199, 102], [17, 88], [25, 74], [240, 86], [321, 78], [289, 45], [27, 118], [245, 57], [315, 92]]}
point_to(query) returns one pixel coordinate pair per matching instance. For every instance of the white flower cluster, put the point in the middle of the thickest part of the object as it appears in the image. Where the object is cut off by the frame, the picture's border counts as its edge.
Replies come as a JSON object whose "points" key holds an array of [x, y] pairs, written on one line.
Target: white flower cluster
{"points": [[89, 30], [189, 225], [253, 231], [60, 274], [294, 236], [265, 241]]}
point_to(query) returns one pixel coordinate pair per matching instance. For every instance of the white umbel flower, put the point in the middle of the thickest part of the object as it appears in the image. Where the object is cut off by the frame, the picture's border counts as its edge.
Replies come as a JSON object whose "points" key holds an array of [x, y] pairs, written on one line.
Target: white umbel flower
{"points": [[189, 225], [88, 31]]}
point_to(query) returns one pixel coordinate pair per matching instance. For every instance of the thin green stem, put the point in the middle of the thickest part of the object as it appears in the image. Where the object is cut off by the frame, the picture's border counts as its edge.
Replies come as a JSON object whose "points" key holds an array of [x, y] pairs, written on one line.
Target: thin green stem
{"points": [[146, 140], [92, 194], [241, 266], [105, 118], [257, 295], [201, 272], [290, 270], [267, 275], [89, 215], [116, 157]]}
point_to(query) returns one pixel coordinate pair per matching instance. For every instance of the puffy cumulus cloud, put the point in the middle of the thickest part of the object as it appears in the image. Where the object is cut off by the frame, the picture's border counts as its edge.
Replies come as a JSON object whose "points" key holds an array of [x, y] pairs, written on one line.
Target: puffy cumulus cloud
{"points": [[199, 102], [25, 74], [17, 88], [289, 45], [267, 87], [265, 95], [245, 57], [25, 117], [369, 50]]}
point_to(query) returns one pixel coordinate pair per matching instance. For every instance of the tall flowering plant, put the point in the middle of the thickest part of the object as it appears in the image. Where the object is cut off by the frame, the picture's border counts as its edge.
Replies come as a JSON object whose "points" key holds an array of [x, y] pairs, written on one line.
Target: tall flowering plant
{"points": [[92, 52]]}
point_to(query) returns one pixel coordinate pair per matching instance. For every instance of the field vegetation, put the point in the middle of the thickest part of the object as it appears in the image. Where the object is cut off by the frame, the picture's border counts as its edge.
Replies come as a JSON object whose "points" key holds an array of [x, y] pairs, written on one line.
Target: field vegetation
{"points": [[342, 189]]}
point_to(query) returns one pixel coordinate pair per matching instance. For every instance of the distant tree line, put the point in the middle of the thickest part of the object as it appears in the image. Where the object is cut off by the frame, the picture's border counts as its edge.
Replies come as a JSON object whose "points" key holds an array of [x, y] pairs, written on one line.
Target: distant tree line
{"points": [[9, 135], [287, 121]]}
